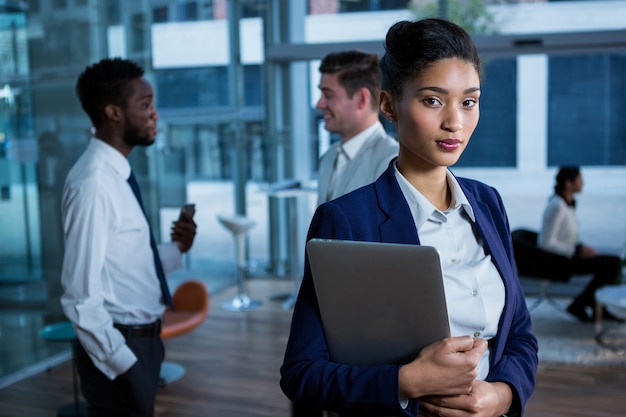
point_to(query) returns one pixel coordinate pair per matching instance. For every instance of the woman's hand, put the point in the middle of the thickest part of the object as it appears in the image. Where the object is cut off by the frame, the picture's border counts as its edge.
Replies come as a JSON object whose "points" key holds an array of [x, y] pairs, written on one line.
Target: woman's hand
{"points": [[485, 400], [445, 368], [586, 251]]}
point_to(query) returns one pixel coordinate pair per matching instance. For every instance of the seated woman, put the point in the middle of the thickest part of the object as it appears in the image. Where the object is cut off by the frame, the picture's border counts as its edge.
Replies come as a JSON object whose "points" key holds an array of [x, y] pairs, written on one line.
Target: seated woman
{"points": [[559, 234], [431, 89]]}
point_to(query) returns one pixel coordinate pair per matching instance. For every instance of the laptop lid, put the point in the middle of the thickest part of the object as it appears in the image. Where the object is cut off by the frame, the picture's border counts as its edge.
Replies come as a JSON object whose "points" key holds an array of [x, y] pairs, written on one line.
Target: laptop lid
{"points": [[380, 303]]}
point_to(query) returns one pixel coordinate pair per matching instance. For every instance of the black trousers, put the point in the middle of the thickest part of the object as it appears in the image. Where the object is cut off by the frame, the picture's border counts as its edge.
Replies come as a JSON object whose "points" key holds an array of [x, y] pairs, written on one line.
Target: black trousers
{"points": [[129, 395], [605, 270]]}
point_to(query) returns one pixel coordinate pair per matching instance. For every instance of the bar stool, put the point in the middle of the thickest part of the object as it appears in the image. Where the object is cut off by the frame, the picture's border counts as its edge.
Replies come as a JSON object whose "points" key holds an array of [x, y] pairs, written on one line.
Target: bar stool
{"points": [[239, 226], [64, 332]]}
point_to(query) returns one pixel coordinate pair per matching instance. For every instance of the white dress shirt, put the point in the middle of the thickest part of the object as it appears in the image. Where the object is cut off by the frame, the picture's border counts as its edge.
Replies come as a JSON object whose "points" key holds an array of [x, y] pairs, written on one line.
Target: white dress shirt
{"points": [[352, 146], [108, 271], [559, 228], [347, 151], [355, 163], [473, 287]]}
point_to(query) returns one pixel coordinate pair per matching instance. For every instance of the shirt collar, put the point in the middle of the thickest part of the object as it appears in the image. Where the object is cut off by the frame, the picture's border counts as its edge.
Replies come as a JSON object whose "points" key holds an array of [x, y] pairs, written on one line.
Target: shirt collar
{"points": [[422, 208], [352, 146], [112, 156]]}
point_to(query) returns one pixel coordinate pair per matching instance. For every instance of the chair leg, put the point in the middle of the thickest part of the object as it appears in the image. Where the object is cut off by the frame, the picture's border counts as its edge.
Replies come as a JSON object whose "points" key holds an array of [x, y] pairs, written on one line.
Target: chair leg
{"points": [[78, 408], [543, 295], [170, 372]]}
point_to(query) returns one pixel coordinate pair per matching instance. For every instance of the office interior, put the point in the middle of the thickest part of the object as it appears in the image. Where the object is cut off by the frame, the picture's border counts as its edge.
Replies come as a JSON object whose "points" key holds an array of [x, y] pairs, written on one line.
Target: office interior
{"points": [[236, 85]]}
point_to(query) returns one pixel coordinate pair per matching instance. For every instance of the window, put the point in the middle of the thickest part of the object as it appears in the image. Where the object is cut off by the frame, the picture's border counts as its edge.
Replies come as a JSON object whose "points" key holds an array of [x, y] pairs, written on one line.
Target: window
{"points": [[159, 14], [138, 32], [253, 8], [113, 12], [346, 6], [188, 11], [586, 107], [33, 6], [253, 85], [193, 87]]}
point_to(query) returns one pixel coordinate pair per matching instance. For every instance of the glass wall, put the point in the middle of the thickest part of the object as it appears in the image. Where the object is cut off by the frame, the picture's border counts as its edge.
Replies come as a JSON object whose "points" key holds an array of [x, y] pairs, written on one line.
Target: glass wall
{"points": [[20, 255]]}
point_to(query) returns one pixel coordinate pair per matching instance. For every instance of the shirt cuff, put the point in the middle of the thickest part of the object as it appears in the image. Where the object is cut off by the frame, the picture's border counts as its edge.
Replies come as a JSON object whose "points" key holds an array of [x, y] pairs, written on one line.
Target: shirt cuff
{"points": [[120, 362], [170, 255], [404, 403]]}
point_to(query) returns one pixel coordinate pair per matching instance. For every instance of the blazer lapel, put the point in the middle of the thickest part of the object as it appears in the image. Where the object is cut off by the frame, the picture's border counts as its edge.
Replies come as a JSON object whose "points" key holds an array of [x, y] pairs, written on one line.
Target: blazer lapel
{"points": [[399, 226]]}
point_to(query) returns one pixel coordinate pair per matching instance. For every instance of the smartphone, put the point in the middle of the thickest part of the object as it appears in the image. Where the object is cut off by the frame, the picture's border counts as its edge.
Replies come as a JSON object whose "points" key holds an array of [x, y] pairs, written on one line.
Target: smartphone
{"points": [[190, 209]]}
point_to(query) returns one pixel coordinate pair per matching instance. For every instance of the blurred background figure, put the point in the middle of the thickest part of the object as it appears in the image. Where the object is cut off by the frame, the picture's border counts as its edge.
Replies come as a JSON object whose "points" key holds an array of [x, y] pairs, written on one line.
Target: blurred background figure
{"points": [[350, 87], [559, 234]]}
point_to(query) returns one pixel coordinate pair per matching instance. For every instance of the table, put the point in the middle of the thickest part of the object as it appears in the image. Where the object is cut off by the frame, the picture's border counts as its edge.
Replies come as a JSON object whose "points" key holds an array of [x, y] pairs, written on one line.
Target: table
{"points": [[613, 297], [291, 196]]}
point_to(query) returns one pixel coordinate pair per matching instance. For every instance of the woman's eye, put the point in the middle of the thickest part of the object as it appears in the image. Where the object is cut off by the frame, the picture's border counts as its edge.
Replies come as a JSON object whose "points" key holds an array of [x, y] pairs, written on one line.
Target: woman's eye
{"points": [[432, 101], [470, 103]]}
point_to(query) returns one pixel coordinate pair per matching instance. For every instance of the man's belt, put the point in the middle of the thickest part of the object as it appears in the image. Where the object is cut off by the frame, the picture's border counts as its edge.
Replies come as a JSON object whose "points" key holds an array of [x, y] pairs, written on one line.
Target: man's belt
{"points": [[139, 330]]}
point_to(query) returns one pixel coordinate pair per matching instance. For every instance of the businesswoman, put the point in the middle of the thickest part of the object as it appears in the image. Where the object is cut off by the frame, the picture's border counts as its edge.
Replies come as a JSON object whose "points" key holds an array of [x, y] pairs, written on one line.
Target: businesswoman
{"points": [[559, 235], [431, 90]]}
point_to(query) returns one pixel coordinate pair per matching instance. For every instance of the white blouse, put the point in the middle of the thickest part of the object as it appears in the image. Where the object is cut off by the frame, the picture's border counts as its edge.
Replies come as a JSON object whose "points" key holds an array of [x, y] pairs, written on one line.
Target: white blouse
{"points": [[559, 228]]}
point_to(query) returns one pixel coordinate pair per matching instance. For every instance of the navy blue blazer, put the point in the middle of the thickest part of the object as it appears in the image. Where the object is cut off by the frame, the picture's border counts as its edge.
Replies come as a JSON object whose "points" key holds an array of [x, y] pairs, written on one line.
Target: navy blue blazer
{"points": [[379, 212]]}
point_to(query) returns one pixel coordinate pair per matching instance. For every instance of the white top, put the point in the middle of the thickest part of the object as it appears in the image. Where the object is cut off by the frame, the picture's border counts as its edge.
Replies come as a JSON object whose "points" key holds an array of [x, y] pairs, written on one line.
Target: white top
{"points": [[473, 287], [559, 228], [108, 268]]}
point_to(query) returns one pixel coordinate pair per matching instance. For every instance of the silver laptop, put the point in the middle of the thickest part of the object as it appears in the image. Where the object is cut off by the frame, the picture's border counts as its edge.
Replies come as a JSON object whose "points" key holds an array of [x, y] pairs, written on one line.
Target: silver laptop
{"points": [[380, 303]]}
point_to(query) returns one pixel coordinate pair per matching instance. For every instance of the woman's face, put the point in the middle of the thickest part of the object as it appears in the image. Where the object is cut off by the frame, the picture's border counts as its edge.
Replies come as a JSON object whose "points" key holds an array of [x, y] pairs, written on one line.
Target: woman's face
{"points": [[435, 114], [576, 185]]}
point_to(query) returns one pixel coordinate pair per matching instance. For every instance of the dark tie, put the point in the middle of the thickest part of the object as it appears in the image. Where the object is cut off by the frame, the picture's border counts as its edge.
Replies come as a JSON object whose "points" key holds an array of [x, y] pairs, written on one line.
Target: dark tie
{"points": [[155, 253]]}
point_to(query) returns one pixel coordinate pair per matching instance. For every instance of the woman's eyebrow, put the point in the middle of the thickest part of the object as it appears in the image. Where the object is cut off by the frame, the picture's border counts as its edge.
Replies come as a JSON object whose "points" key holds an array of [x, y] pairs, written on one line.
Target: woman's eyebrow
{"points": [[445, 91]]}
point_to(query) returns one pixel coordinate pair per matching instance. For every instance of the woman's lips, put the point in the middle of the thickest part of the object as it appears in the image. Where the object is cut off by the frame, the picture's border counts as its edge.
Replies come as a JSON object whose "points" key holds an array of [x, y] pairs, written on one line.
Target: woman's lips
{"points": [[449, 144]]}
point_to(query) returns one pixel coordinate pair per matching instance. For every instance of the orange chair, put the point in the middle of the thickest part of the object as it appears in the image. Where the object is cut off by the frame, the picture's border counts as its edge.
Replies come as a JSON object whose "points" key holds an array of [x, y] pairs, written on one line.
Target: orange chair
{"points": [[191, 303]]}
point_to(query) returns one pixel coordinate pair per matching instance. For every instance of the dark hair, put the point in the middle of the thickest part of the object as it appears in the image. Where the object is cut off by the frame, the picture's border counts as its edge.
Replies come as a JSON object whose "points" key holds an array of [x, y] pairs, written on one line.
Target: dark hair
{"points": [[566, 173], [106, 82], [356, 69], [411, 47]]}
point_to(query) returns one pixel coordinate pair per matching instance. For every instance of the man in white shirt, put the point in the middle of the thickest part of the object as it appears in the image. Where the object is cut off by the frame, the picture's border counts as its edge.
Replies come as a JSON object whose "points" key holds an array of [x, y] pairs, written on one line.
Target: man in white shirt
{"points": [[350, 86], [113, 272]]}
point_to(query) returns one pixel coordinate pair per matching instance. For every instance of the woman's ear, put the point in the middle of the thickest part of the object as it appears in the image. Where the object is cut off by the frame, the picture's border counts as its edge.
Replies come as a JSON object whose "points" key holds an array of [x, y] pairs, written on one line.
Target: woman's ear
{"points": [[387, 106]]}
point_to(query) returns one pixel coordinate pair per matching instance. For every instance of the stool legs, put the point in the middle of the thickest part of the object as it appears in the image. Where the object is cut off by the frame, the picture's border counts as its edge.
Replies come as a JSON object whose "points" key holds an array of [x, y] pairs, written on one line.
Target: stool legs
{"points": [[241, 301], [78, 408], [64, 332]]}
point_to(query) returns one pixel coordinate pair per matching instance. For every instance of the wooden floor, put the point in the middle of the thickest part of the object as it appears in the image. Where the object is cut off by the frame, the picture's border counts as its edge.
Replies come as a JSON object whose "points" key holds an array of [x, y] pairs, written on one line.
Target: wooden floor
{"points": [[232, 364]]}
